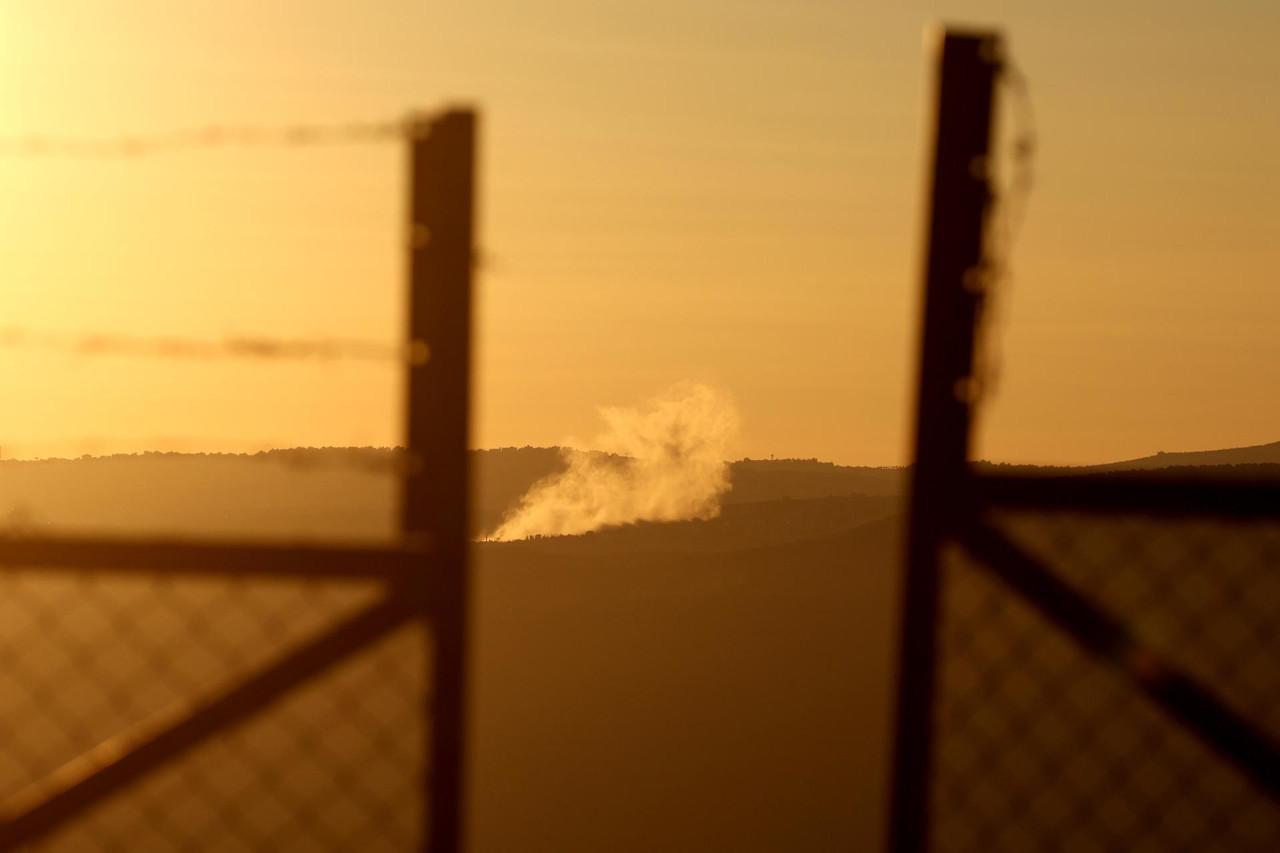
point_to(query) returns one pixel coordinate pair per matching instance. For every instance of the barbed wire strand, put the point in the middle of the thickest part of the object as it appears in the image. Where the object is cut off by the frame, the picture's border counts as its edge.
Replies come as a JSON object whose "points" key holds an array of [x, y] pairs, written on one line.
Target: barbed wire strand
{"points": [[212, 136], [233, 347]]}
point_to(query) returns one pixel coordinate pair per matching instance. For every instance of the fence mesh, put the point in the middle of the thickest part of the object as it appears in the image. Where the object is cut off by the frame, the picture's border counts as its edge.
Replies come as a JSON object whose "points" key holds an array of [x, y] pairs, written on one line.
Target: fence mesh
{"points": [[1041, 747], [88, 659]]}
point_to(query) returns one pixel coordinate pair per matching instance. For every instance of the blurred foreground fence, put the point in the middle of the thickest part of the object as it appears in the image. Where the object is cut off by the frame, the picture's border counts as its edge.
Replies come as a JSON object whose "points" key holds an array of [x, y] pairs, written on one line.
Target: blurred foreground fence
{"points": [[1088, 662], [183, 695]]}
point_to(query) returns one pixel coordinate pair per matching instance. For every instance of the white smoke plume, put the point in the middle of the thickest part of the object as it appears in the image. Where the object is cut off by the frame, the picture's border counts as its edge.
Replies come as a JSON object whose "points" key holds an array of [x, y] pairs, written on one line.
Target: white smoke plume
{"points": [[670, 465]]}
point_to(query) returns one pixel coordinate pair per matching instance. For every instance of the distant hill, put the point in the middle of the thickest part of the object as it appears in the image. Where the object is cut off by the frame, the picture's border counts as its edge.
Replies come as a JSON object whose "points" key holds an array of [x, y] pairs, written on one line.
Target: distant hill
{"points": [[767, 479], [1261, 454], [352, 493], [347, 494], [340, 493]]}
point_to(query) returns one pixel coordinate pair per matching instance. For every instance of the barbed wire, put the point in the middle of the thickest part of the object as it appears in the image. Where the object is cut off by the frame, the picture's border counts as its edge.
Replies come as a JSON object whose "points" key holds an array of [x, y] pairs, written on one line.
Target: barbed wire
{"points": [[232, 347], [1010, 208], [1024, 144], [212, 136]]}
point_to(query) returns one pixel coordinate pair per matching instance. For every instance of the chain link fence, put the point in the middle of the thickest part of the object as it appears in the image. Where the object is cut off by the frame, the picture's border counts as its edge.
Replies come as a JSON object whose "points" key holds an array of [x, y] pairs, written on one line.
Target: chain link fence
{"points": [[91, 662], [1041, 746]]}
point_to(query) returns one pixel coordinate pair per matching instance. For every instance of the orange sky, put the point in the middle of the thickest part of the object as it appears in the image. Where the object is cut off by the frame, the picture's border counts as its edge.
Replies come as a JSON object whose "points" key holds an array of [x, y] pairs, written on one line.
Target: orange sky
{"points": [[682, 189]]}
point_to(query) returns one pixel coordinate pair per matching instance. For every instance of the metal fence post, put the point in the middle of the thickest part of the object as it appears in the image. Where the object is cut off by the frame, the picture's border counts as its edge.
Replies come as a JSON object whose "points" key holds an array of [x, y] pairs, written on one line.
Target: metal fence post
{"points": [[966, 70], [436, 498]]}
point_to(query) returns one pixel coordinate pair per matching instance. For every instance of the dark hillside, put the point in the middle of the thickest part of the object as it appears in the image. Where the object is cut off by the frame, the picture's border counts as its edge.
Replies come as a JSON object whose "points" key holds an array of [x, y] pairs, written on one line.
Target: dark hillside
{"points": [[764, 480], [762, 673], [1258, 454]]}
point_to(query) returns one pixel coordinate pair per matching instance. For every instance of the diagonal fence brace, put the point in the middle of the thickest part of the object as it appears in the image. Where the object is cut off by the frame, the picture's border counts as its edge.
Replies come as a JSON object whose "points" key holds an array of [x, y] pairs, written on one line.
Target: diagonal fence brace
{"points": [[112, 766]]}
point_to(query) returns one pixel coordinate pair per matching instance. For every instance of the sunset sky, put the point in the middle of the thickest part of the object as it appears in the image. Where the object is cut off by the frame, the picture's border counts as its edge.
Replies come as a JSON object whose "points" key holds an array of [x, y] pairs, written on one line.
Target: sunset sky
{"points": [[725, 191]]}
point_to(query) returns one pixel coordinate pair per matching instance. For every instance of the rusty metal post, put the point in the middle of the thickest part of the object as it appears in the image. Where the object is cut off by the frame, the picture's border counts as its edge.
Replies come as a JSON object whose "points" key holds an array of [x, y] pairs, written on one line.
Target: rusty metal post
{"points": [[436, 497], [966, 72]]}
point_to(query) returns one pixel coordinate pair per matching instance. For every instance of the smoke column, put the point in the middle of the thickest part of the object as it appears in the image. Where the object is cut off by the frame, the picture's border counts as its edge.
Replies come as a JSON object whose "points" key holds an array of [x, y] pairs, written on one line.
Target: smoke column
{"points": [[669, 466]]}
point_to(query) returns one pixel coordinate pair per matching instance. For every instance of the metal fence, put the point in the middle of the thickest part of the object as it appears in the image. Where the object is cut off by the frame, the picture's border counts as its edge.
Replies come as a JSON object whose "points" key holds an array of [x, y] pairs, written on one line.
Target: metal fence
{"points": [[1088, 662], [1045, 741], [170, 694]]}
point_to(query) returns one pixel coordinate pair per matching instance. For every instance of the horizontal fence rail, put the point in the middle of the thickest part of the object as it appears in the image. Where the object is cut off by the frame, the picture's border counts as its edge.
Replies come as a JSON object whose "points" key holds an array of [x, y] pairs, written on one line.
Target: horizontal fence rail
{"points": [[185, 558], [1118, 493]]}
